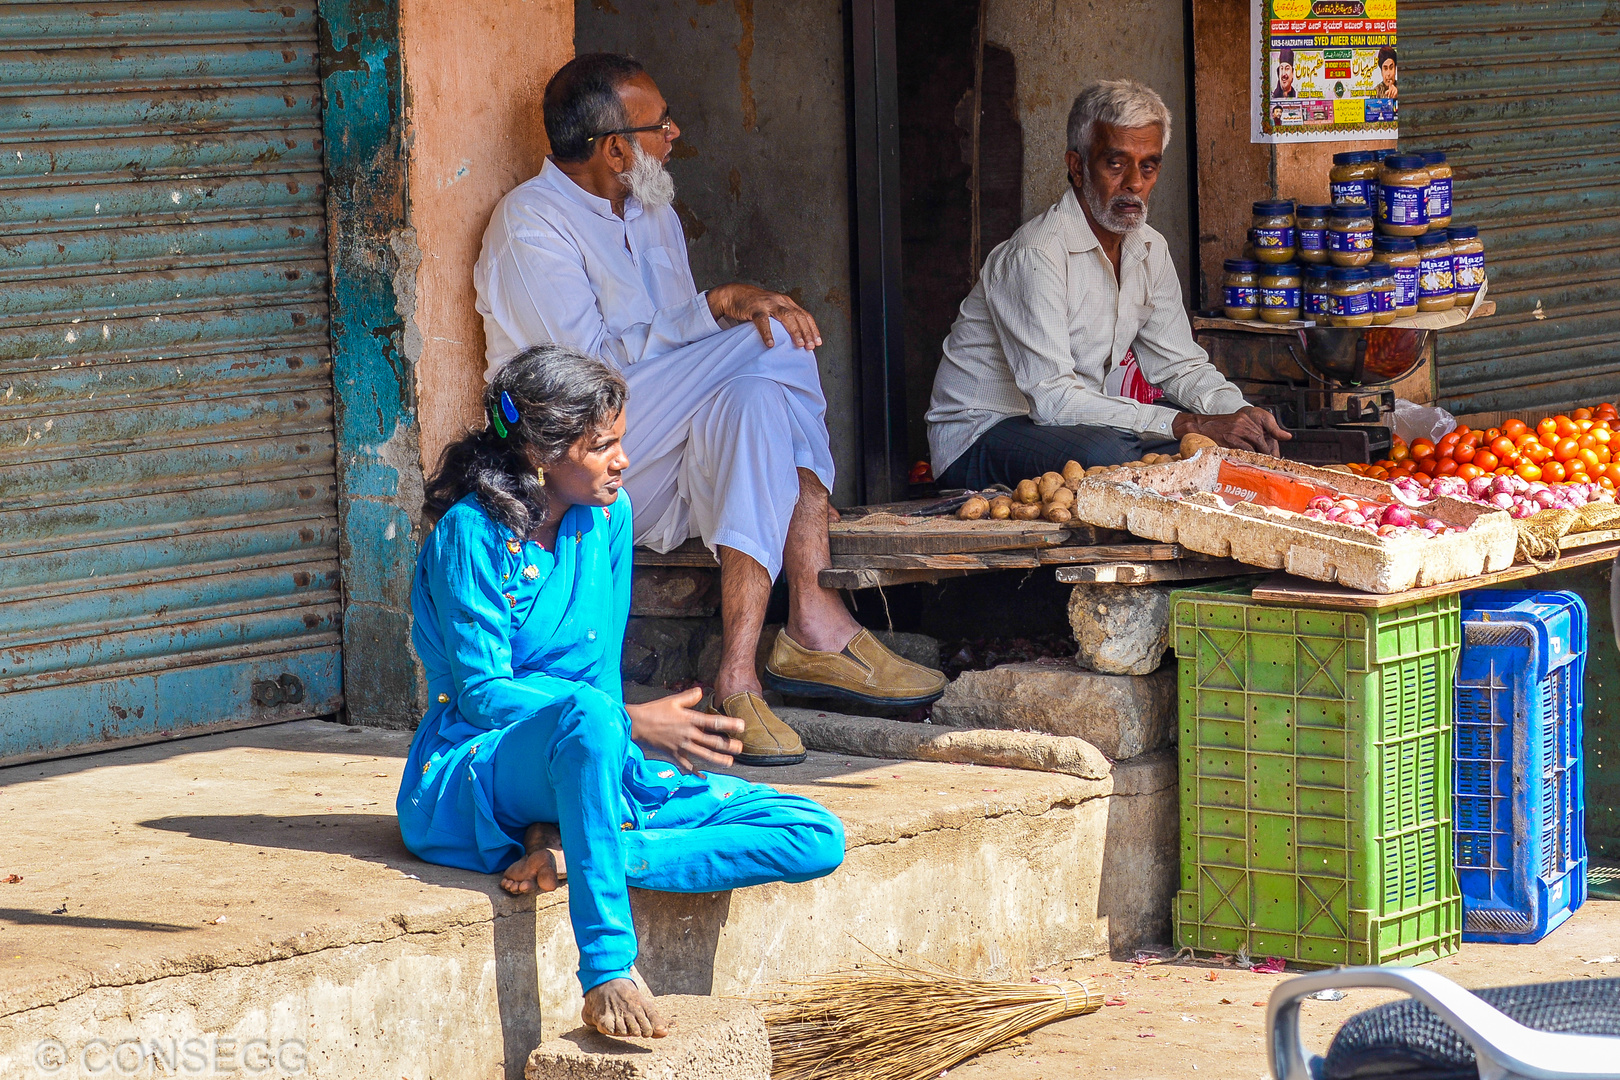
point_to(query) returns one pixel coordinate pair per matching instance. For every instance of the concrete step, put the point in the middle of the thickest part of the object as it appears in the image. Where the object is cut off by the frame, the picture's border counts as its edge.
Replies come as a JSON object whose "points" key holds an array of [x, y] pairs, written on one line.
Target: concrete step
{"points": [[249, 892], [709, 1039]]}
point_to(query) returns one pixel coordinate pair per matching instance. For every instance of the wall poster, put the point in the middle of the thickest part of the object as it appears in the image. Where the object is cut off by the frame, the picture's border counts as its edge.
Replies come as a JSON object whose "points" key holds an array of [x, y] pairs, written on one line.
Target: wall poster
{"points": [[1323, 70]]}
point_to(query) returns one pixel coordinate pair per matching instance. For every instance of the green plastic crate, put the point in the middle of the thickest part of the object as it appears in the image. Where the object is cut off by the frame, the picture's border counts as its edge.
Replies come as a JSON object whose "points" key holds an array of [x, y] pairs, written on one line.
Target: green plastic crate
{"points": [[1316, 779]]}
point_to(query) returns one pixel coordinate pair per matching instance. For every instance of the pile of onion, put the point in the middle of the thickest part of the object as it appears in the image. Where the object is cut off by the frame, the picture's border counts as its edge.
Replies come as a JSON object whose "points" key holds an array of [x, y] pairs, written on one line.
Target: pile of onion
{"points": [[1381, 519]]}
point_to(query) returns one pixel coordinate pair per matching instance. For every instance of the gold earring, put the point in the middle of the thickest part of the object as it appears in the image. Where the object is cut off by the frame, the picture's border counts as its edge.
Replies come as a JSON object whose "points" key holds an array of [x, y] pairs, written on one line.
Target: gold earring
{"points": [[540, 475]]}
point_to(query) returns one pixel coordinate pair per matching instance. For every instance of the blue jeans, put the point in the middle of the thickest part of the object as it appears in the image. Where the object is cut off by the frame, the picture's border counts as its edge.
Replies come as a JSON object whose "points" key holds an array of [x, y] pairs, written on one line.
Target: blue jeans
{"points": [[1020, 449], [574, 764]]}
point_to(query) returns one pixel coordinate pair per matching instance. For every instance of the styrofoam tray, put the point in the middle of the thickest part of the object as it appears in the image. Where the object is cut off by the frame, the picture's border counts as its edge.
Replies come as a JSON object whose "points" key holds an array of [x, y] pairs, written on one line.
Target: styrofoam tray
{"points": [[1174, 504]]}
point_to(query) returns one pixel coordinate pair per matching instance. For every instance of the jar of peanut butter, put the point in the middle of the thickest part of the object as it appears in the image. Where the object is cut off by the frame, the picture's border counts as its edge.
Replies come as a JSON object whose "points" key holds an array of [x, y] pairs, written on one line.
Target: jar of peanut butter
{"points": [[1316, 297], [1400, 254], [1350, 234], [1272, 232], [1468, 263], [1439, 189], [1349, 296], [1403, 196], [1312, 223], [1281, 293], [1383, 294], [1241, 288], [1436, 274], [1354, 178]]}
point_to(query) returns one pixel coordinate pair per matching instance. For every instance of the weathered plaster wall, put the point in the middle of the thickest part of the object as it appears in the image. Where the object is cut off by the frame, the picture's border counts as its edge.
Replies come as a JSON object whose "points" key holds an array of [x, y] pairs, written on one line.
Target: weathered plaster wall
{"points": [[757, 87], [474, 76], [1233, 172], [1059, 45]]}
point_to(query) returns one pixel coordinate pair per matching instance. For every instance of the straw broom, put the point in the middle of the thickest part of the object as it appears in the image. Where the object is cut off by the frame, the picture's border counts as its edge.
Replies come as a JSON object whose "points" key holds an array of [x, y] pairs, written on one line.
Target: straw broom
{"points": [[904, 1023]]}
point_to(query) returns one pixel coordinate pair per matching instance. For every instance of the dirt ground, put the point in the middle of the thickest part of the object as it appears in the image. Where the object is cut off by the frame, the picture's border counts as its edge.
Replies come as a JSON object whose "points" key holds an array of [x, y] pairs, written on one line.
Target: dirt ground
{"points": [[1199, 1019]]}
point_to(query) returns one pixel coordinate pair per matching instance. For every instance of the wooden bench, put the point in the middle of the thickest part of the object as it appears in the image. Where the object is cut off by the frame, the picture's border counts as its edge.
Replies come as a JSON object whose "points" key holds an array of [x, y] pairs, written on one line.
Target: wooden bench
{"points": [[904, 543]]}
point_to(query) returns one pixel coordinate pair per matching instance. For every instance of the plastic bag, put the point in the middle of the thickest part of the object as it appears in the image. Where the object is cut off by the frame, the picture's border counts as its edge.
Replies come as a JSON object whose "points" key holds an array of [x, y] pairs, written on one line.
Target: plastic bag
{"points": [[1414, 421]]}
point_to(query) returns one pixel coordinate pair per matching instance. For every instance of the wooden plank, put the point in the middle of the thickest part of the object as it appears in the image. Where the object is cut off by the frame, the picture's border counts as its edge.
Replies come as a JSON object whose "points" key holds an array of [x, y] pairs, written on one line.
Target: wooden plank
{"points": [[691, 553], [866, 578], [942, 537], [1283, 589], [1120, 573], [1587, 539], [1101, 553], [978, 560], [943, 504]]}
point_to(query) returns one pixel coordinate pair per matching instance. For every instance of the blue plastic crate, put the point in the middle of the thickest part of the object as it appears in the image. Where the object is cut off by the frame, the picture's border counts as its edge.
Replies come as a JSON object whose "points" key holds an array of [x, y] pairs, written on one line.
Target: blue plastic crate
{"points": [[1520, 808]]}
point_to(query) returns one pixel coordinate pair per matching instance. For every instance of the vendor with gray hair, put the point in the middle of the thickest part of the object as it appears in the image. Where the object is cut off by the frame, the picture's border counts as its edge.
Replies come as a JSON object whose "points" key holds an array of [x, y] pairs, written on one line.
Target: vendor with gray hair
{"points": [[1076, 326]]}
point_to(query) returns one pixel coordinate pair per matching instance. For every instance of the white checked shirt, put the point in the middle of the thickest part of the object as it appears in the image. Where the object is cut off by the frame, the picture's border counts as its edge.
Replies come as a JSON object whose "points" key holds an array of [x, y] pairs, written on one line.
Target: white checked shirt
{"points": [[1045, 334]]}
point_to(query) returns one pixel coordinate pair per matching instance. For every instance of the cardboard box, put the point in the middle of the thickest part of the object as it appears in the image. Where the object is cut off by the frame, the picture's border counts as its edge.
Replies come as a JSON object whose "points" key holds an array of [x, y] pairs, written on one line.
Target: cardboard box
{"points": [[1178, 504]]}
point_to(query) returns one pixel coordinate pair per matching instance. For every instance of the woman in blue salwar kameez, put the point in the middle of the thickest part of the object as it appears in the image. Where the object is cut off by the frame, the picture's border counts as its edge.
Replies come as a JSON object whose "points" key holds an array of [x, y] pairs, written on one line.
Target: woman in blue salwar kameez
{"points": [[528, 759]]}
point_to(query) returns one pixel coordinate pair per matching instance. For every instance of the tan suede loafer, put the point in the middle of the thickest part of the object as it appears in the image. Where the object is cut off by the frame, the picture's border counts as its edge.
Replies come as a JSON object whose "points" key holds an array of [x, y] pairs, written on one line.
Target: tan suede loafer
{"points": [[865, 671], [766, 740]]}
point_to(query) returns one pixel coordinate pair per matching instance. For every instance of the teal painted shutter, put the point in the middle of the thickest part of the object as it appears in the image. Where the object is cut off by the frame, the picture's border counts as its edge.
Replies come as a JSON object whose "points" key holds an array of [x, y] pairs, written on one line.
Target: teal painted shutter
{"points": [[168, 518], [1525, 98]]}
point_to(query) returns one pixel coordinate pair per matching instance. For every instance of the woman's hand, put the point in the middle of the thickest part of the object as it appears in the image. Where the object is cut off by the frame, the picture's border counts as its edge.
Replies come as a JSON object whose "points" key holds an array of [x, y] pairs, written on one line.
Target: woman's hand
{"points": [[670, 729]]}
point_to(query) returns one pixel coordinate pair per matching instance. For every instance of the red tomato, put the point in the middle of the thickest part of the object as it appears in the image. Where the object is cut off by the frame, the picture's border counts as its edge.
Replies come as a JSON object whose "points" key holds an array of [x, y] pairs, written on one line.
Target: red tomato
{"points": [[1445, 466], [1468, 472], [1566, 449], [1486, 460], [1529, 471], [1465, 452], [1554, 472], [1548, 430]]}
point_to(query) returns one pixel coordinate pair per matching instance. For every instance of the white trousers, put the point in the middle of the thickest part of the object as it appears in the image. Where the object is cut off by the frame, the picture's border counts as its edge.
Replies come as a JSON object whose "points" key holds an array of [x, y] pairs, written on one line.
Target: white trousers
{"points": [[716, 433]]}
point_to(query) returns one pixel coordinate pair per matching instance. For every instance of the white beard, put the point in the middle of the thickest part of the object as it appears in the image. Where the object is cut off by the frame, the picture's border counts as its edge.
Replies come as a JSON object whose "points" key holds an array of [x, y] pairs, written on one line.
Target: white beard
{"points": [[1117, 217], [649, 181]]}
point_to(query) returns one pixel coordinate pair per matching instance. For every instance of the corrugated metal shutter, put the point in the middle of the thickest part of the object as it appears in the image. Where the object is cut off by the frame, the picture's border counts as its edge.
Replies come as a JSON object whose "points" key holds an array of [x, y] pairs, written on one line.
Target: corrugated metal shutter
{"points": [[1525, 98], [168, 517]]}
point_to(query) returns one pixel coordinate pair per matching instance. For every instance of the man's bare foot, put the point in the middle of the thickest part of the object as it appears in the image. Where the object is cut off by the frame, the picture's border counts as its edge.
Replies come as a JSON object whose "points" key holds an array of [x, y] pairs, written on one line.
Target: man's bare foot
{"points": [[542, 868], [618, 1007]]}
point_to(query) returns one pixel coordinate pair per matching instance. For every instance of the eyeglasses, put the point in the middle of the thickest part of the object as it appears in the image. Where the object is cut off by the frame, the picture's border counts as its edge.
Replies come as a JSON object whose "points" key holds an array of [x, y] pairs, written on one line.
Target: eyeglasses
{"points": [[663, 126]]}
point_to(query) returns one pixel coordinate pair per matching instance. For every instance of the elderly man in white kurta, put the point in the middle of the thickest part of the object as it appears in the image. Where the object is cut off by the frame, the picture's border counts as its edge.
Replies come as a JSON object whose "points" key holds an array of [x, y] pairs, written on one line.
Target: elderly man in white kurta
{"points": [[726, 426]]}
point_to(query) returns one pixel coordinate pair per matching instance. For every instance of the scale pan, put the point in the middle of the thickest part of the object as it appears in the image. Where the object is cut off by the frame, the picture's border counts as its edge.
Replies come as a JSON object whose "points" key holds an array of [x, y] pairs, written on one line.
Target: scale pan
{"points": [[1360, 356]]}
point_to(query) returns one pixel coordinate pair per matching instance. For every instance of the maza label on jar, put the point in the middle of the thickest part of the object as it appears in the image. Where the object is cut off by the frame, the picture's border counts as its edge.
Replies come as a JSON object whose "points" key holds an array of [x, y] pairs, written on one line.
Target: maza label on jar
{"points": [[1403, 205]]}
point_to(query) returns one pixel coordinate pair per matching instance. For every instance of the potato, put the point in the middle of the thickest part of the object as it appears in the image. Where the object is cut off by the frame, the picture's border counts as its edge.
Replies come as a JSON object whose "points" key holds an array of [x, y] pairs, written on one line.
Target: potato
{"points": [[1072, 471], [1191, 444], [1048, 483], [1061, 497], [1001, 508], [1026, 511], [974, 509], [1058, 515], [1027, 492], [1096, 470]]}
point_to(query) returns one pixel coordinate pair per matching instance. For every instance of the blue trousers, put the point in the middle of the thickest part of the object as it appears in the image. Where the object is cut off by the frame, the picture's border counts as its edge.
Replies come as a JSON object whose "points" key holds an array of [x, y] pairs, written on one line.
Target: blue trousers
{"points": [[629, 821], [1019, 449]]}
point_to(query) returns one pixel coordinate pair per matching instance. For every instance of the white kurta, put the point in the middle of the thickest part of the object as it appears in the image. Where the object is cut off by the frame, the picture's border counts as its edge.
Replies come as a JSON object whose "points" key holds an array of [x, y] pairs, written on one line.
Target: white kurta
{"points": [[717, 424]]}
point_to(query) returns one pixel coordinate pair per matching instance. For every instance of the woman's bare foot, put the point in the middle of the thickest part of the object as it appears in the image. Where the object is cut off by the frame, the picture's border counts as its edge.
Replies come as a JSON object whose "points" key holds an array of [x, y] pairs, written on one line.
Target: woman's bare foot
{"points": [[542, 868], [618, 1007]]}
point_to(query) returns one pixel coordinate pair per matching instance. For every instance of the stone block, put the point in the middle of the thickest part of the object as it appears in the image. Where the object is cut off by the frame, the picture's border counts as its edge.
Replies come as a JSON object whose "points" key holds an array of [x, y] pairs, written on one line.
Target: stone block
{"points": [[1121, 715], [685, 592], [1121, 629], [710, 1038], [918, 648], [661, 652]]}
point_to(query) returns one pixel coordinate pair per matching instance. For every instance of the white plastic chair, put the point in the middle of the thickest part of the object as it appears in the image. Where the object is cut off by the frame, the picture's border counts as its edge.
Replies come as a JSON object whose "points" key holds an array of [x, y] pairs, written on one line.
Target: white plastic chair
{"points": [[1504, 1048]]}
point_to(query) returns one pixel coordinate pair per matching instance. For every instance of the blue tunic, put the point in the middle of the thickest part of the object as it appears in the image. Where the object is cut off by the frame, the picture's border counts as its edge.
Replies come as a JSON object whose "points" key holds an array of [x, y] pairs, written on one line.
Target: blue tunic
{"points": [[526, 723]]}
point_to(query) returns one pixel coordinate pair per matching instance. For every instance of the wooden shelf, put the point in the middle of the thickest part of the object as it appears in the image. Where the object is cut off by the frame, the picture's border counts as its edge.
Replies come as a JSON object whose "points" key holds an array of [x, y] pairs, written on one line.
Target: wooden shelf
{"points": [[1283, 589]]}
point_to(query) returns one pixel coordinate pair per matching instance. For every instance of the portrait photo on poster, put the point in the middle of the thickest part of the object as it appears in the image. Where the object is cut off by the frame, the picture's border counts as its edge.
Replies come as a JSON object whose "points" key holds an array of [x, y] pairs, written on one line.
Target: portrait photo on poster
{"points": [[1323, 70]]}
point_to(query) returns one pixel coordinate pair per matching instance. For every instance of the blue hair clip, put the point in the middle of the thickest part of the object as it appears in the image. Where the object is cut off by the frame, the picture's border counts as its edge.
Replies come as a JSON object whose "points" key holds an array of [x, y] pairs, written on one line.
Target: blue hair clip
{"points": [[512, 415]]}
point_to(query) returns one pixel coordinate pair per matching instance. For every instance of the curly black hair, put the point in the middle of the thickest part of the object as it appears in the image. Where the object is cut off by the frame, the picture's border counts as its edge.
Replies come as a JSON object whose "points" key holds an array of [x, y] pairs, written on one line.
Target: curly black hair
{"points": [[561, 396]]}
